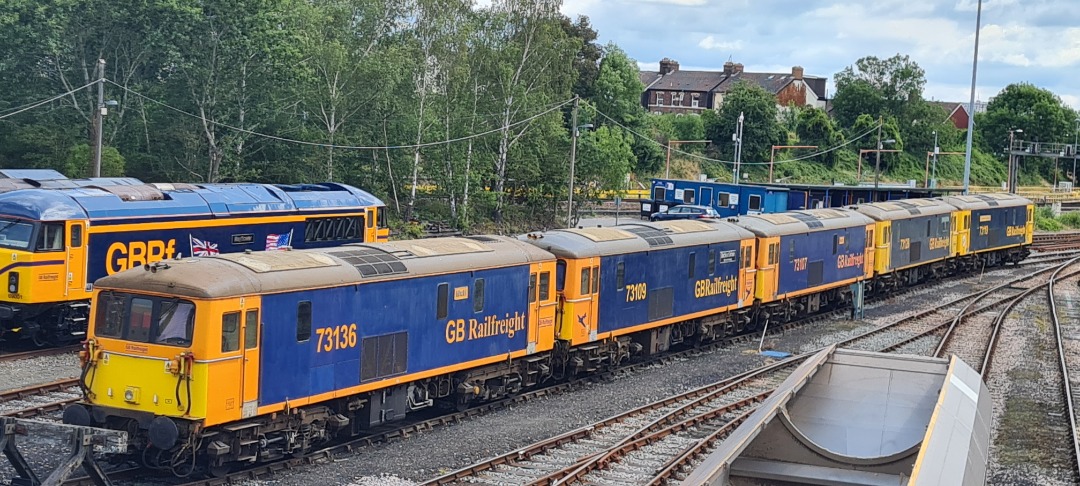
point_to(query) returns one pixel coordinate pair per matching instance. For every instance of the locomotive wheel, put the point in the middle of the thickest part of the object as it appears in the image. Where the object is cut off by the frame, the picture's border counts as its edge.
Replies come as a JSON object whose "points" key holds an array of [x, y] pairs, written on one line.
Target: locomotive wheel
{"points": [[42, 339], [218, 471]]}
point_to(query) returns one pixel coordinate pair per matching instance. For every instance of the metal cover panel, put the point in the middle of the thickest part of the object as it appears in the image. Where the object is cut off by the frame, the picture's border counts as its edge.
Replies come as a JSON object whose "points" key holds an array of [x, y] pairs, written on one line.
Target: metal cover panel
{"points": [[268, 261], [603, 234], [370, 261], [689, 226], [442, 246], [778, 218], [652, 236]]}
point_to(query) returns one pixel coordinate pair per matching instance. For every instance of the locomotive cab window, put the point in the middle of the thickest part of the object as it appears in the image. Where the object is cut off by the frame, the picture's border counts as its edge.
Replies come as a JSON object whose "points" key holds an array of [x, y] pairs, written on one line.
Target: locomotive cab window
{"points": [[303, 321], [620, 276], [251, 329], [586, 277], [596, 280], [545, 286], [532, 288], [51, 237], [230, 332], [76, 236], [693, 263], [15, 234], [712, 262], [144, 319]]}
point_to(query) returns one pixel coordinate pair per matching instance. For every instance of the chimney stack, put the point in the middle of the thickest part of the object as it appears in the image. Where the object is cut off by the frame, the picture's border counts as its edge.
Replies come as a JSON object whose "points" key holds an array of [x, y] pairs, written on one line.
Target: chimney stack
{"points": [[668, 66], [797, 72], [738, 67], [729, 68]]}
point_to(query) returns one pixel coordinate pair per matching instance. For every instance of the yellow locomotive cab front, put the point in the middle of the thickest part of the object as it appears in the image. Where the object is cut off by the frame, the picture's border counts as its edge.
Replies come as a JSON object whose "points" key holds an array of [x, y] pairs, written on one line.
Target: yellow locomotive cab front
{"points": [[140, 357]]}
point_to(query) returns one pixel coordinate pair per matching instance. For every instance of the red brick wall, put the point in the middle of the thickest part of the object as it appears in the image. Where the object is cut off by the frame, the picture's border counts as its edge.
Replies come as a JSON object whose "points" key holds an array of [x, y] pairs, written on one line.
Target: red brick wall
{"points": [[793, 93], [959, 118]]}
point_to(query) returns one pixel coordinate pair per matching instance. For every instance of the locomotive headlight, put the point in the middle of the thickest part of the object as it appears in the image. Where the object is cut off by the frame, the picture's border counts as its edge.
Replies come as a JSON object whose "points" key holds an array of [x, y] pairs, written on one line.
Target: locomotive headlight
{"points": [[131, 394], [13, 282]]}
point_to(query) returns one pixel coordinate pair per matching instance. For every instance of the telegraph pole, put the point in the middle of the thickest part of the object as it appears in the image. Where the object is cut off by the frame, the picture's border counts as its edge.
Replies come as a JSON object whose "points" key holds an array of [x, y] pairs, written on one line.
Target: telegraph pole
{"points": [[99, 117], [738, 147]]}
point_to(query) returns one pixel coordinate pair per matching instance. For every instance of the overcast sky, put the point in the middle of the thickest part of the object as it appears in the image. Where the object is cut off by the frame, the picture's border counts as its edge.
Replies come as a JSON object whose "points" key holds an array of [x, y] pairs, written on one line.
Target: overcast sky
{"points": [[1036, 41]]}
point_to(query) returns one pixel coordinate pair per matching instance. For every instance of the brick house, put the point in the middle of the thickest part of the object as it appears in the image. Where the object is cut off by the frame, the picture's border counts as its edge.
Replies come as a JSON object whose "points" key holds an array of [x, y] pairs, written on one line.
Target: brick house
{"points": [[672, 90], [958, 112]]}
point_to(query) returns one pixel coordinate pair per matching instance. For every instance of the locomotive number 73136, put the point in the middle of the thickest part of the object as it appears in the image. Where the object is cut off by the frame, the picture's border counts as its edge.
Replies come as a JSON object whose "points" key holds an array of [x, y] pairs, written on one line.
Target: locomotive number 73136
{"points": [[336, 337]]}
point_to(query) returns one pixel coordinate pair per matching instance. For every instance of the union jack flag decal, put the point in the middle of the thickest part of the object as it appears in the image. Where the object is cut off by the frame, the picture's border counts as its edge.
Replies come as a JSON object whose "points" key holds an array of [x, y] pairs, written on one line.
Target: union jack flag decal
{"points": [[202, 247]]}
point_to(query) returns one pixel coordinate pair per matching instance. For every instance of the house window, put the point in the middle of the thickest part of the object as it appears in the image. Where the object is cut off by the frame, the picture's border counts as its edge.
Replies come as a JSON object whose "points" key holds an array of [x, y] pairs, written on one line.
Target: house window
{"points": [[660, 98], [694, 100]]}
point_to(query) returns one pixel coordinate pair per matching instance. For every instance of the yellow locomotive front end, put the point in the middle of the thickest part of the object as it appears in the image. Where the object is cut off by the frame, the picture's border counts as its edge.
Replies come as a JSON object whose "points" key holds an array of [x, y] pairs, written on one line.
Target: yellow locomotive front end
{"points": [[42, 265], [164, 366]]}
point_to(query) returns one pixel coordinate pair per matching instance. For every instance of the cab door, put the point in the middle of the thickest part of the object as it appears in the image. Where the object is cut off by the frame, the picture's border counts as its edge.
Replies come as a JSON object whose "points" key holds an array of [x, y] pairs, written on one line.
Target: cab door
{"points": [[749, 272], [76, 260], [250, 374], [542, 308], [768, 255]]}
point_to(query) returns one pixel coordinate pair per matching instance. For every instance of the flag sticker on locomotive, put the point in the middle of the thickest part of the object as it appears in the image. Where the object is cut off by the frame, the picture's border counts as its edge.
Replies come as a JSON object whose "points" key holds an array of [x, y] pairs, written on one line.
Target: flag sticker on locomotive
{"points": [[275, 242], [202, 247], [461, 330]]}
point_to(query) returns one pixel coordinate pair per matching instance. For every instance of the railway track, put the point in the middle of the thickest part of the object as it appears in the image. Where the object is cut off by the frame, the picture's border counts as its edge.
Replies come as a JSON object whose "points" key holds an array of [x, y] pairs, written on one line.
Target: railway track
{"points": [[1036, 378], [614, 451], [1067, 240], [36, 400], [37, 353]]}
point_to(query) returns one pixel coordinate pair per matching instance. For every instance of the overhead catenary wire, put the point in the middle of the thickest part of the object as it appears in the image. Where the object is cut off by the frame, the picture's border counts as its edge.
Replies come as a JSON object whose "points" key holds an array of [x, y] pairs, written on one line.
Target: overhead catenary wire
{"points": [[347, 147], [31, 106], [731, 162]]}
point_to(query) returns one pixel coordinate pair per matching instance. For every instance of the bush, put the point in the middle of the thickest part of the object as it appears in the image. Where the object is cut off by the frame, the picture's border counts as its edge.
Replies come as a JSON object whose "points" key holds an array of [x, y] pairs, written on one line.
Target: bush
{"points": [[1071, 220], [1045, 220]]}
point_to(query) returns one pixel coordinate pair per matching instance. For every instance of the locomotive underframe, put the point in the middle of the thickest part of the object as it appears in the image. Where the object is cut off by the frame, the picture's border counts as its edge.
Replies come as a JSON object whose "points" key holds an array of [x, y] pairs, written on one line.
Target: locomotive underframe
{"points": [[49, 324]]}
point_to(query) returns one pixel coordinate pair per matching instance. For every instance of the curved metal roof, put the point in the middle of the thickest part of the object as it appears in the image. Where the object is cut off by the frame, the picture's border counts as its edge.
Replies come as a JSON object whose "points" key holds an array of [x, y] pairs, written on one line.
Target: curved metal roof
{"points": [[238, 274], [903, 209], [117, 199], [802, 221], [985, 201], [635, 237]]}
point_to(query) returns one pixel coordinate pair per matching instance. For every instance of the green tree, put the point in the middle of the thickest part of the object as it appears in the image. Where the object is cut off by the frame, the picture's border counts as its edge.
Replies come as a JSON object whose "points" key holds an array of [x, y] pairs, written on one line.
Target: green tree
{"points": [[1038, 112], [816, 128], [761, 130], [587, 58], [857, 98], [897, 79], [618, 89]]}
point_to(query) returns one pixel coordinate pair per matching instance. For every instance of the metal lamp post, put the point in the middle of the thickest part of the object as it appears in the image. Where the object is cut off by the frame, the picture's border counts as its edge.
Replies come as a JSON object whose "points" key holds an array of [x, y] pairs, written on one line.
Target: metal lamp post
{"points": [[1075, 148], [933, 170], [971, 105], [737, 137]]}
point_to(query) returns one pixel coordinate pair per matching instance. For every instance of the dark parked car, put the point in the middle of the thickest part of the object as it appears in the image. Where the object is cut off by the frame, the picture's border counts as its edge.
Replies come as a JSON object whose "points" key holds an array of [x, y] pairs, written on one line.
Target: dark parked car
{"points": [[685, 212]]}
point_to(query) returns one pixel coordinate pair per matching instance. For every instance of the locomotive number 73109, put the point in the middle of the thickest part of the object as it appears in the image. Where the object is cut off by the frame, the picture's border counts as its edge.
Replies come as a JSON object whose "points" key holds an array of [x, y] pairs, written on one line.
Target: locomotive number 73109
{"points": [[336, 337]]}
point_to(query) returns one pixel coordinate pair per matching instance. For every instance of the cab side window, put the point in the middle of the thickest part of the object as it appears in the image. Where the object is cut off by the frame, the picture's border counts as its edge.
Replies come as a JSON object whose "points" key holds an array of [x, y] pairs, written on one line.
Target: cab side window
{"points": [[51, 237], [230, 332]]}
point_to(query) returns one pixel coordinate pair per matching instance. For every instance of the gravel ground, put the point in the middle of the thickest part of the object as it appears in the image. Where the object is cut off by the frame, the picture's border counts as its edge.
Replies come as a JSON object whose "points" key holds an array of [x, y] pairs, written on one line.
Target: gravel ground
{"points": [[1028, 445], [426, 455], [34, 371]]}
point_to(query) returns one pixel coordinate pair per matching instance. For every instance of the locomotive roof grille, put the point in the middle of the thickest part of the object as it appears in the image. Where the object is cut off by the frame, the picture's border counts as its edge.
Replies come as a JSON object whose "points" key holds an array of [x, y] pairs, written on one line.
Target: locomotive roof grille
{"points": [[911, 208], [652, 236], [810, 221], [371, 262]]}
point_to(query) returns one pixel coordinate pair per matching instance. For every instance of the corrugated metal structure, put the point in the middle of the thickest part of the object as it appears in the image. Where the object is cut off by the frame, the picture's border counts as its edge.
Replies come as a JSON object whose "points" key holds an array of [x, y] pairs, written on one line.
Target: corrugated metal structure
{"points": [[853, 417]]}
